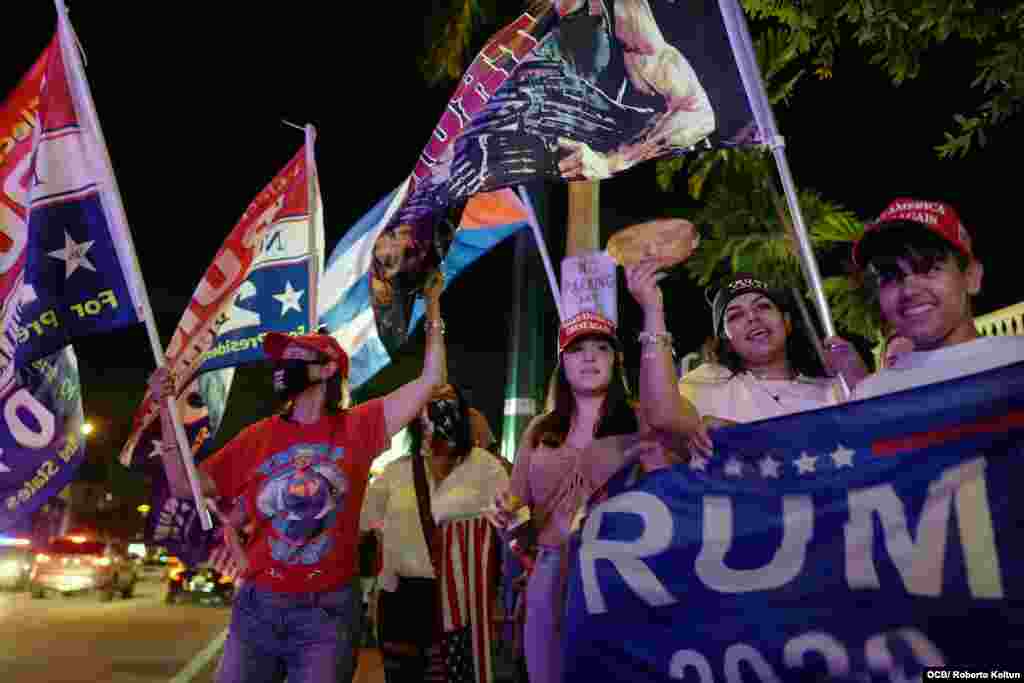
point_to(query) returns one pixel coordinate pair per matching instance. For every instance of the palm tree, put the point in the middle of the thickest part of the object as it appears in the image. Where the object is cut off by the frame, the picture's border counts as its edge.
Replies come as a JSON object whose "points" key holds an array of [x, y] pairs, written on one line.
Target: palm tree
{"points": [[455, 28]]}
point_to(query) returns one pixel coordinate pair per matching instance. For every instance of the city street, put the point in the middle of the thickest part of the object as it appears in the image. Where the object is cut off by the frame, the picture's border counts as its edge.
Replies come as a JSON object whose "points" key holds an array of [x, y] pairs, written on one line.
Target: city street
{"points": [[79, 639]]}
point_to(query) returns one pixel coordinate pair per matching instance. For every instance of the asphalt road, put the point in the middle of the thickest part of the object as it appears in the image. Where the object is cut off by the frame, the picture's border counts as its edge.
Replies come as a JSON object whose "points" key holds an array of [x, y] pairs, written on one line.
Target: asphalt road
{"points": [[79, 639]]}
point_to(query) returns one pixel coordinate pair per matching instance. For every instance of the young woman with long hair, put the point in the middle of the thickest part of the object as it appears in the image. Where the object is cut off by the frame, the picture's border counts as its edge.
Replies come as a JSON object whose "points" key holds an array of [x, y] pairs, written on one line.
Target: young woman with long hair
{"points": [[765, 366], [559, 464]]}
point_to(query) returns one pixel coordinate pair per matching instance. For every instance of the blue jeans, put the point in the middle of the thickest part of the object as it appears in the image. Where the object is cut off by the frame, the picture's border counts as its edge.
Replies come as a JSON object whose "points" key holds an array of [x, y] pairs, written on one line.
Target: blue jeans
{"points": [[307, 637]]}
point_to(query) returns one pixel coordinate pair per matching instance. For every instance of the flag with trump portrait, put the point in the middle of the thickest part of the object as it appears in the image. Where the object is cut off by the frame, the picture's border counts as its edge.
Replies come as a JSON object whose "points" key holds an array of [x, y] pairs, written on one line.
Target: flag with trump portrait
{"points": [[66, 271], [864, 542], [572, 89]]}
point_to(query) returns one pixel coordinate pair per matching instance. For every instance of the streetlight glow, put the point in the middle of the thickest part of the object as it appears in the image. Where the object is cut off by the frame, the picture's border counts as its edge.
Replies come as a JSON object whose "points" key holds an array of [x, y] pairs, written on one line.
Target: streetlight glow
{"points": [[144, 508]]}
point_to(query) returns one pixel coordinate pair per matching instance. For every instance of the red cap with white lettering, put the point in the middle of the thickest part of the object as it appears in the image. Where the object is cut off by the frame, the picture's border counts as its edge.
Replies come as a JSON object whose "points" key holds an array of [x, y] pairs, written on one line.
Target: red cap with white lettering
{"points": [[938, 217], [585, 324]]}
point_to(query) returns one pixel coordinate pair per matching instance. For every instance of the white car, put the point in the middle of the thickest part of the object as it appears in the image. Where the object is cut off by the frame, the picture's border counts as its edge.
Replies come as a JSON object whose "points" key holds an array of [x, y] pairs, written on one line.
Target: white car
{"points": [[76, 564]]}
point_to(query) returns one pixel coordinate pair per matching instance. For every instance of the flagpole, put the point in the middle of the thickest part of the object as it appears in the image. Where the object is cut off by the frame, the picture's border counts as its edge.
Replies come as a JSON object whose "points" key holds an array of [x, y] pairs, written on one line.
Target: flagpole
{"points": [[115, 215], [538, 236], [750, 73], [314, 204]]}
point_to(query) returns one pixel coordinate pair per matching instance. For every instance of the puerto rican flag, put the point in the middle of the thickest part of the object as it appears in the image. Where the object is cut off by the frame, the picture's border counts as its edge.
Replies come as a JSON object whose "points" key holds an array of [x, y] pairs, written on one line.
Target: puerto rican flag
{"points": [[468, 590]]}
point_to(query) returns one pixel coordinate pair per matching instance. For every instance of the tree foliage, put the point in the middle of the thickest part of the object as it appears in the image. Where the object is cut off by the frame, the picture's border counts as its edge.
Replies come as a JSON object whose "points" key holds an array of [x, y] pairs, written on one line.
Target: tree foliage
{"points": [[900, 34], [746, 227], [452, 29]]}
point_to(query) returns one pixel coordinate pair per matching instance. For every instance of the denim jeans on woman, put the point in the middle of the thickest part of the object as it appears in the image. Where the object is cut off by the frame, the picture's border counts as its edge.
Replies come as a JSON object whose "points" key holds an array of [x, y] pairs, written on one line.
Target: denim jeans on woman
{"points": [[544, 604], [307, 637]]}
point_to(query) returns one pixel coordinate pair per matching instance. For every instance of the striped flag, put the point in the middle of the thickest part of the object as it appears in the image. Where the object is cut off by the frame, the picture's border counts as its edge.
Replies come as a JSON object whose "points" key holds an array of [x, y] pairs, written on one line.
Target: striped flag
{"points": [[468, 592]]}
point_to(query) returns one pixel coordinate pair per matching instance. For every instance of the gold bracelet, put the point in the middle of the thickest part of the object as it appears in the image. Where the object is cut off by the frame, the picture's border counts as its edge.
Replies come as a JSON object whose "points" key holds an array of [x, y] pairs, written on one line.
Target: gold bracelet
{"points": [[435, 324]]}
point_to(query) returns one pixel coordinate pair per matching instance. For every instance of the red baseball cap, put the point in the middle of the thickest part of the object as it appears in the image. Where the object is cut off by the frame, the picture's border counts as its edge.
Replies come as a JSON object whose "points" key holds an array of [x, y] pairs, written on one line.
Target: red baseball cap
{"points": [[276, 343], [583, 324], [938, 217]]}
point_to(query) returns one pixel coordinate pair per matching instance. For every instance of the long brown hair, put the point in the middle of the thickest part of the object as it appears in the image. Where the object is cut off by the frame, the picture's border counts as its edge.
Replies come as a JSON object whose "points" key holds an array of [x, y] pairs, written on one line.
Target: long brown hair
{"points": [[617, 414]]}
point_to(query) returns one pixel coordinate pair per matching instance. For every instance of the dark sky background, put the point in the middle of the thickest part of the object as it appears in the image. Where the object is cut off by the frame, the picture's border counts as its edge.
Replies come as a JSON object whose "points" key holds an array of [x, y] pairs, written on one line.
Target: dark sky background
{"points": [[191, 102]]}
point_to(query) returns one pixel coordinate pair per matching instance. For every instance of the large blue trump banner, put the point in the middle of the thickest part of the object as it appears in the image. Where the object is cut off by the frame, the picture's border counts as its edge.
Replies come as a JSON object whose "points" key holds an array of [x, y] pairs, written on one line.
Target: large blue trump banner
{"points": [[865, 542]]}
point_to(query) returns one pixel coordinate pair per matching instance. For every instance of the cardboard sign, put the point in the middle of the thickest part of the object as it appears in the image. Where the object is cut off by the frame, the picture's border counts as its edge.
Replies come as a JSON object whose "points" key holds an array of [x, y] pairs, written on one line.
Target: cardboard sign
{"points": [[588, 284]]}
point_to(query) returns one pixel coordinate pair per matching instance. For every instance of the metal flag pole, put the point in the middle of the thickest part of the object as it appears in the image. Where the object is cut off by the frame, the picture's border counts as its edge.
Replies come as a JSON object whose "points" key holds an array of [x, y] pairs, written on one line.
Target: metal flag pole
{"points": [[113, 210], [543, 248], [313, 195], [750, 73]]}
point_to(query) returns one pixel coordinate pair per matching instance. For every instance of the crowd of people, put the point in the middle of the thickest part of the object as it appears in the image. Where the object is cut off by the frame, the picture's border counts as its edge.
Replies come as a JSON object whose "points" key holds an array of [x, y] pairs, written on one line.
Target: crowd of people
{"points": [[302, 475]]}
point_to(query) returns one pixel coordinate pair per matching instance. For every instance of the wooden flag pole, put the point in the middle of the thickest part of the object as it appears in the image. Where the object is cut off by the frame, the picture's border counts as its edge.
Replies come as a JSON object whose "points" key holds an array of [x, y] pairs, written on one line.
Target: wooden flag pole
{"points": [[583, 229]]}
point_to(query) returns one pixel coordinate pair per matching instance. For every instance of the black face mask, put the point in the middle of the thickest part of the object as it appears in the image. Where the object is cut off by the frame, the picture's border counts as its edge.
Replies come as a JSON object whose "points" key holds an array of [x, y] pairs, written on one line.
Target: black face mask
{"points": [[291, 378], [447, 418]]}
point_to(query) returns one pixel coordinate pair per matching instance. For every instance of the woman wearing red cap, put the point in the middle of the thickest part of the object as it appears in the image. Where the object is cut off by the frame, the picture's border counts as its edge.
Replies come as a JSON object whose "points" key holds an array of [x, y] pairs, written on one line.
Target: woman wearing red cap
{"points": [[560, 463], [301, 476]]}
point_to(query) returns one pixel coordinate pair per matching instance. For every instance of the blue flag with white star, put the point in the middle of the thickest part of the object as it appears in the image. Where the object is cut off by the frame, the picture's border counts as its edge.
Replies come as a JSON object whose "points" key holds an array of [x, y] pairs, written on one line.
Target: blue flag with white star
{"points": [[862, 542], [78, 274]]}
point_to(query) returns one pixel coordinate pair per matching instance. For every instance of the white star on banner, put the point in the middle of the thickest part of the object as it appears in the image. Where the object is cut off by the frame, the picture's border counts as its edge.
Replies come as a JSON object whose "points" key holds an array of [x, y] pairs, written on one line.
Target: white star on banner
{"points": [[289, 298], [734, 468], [805, 463], [842, 456], [698, 462], [74, 255], [158, 449], [769, 467]]}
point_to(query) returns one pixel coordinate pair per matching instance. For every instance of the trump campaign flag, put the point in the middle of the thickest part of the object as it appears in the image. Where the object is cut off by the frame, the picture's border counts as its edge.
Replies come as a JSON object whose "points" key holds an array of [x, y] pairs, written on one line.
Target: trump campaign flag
{"points": [[67, 269], [582, 89], [263, 279], [858, 543]]}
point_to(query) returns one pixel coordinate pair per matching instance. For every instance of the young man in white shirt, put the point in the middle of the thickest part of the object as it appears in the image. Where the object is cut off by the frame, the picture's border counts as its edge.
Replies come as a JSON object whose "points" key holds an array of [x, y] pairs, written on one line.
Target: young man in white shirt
{"points": [[919, 259]]}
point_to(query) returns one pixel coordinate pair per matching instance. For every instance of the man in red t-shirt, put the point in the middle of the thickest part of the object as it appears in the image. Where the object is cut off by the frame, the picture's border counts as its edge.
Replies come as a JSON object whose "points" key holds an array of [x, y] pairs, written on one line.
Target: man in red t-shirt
{"points": [[300, 477]]}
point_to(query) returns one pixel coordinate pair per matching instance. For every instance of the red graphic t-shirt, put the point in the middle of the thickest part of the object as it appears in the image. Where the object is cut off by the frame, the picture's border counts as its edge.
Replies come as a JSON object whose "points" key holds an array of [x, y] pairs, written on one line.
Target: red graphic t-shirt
{"points": [[302, 486]]}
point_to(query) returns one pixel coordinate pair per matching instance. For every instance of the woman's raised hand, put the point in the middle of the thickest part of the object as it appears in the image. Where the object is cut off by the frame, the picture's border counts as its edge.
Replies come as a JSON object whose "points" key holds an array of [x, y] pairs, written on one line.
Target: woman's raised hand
{"points": [[642, 282]]}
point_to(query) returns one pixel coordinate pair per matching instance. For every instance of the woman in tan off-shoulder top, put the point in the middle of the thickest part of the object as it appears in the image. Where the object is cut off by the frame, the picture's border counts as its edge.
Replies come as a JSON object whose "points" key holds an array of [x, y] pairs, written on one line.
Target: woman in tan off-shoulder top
{"points": [[593, 430]]}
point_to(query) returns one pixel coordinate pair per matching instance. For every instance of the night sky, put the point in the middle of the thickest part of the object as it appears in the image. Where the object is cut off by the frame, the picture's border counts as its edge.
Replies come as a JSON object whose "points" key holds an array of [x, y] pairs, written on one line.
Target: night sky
{"points": [[191, 104]]}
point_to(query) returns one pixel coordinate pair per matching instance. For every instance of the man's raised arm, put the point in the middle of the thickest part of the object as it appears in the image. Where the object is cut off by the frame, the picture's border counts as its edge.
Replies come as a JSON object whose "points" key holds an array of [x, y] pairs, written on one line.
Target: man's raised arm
{"points": [[403, 404]]}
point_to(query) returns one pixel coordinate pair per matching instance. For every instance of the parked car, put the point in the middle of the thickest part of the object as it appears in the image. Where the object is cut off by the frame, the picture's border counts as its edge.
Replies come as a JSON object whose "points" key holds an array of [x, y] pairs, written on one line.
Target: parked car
{"points": [[203, 585], [15, 563], [77, 564]]}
